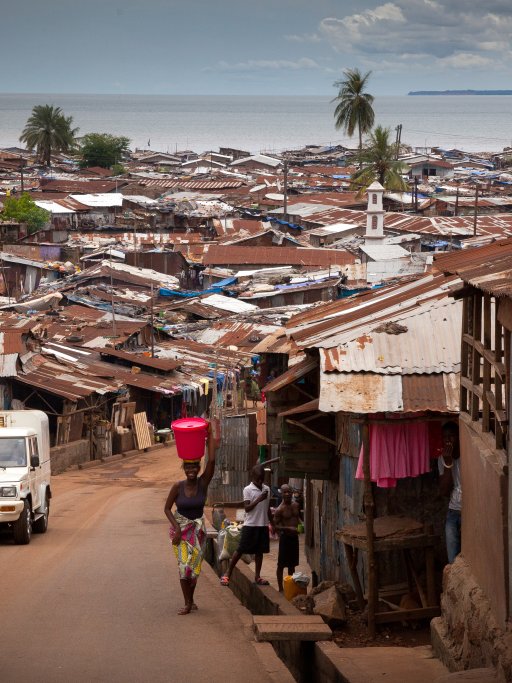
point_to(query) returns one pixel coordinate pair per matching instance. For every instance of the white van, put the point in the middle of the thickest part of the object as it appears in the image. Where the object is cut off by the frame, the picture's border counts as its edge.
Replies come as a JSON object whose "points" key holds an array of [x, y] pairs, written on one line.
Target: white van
{"points": [[25, 488]]}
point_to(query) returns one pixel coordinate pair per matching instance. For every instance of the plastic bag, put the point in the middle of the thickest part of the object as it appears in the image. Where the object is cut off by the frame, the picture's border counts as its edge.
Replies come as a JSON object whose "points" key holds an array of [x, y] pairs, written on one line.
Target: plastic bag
{"points": [[221, 536], [231, 541], [300, 578]]}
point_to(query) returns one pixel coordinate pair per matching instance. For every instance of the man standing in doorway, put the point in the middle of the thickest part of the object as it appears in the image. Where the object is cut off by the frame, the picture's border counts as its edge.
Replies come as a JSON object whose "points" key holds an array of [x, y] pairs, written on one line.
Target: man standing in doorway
{"points": [[254, 539], [450, 485]]}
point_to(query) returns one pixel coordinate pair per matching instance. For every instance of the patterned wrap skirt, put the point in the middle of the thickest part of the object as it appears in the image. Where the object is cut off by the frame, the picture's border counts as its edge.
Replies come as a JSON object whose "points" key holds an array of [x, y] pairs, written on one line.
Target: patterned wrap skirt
{"points": [[190, 551]]}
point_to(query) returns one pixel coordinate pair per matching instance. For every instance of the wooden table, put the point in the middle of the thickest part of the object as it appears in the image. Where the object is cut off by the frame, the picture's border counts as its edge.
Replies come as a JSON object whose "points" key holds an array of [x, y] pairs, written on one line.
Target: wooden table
{"points": [[394, 533]]}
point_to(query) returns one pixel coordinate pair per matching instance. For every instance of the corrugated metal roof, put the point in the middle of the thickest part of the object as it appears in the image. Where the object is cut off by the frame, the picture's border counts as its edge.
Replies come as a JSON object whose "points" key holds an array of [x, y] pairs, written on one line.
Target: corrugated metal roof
{"points": [[425, 339], [297, 256], [372, 393], [165, 364], [488, 268], [326, 321]]}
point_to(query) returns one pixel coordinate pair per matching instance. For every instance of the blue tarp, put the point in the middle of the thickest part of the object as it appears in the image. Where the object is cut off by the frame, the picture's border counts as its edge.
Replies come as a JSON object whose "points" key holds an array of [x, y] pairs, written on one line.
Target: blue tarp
{"points": [[190, 293], [279, 221]]}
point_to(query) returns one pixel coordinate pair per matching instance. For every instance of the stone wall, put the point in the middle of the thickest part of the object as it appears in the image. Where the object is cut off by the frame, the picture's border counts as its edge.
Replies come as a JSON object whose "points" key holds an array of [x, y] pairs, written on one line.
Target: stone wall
{"points": [[69, 455], [467, 635]]}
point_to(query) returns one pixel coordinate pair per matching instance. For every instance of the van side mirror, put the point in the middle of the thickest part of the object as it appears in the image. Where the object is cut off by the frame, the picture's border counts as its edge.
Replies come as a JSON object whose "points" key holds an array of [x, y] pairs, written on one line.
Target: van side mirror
{"points": [[34, 461]]}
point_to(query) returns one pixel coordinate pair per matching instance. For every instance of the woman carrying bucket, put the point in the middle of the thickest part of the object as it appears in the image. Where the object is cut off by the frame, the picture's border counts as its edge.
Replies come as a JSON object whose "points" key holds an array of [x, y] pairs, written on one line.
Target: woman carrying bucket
{"points": [[188, 531]]}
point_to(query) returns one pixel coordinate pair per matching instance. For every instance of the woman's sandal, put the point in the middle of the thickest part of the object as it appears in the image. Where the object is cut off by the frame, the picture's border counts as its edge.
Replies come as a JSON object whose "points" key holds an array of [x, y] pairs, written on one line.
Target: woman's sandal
{"points": [[224, 580], [185, 610]]}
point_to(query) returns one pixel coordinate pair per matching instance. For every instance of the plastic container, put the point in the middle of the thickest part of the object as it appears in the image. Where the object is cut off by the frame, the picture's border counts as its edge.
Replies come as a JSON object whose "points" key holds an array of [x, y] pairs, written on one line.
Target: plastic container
{"points": [[190, 434], [291, 589]]}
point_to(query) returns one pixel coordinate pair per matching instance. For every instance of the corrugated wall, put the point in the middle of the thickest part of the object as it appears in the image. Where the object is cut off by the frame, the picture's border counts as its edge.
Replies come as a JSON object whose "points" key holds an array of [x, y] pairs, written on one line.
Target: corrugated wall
{"points": [[232, 462]]}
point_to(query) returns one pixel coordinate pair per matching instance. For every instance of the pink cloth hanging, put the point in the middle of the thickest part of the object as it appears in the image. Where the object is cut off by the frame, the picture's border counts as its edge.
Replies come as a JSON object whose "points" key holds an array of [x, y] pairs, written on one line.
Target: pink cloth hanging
{"points": [[396, 451]]}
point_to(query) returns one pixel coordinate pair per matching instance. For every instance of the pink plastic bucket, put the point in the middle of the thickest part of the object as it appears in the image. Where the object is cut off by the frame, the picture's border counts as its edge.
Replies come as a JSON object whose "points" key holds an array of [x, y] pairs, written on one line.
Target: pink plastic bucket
{"points": [[190, 434]]}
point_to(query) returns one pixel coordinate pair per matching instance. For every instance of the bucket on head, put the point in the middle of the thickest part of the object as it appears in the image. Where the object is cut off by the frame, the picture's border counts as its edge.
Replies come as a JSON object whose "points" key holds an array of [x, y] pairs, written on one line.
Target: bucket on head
{"points": [[190, 434]]}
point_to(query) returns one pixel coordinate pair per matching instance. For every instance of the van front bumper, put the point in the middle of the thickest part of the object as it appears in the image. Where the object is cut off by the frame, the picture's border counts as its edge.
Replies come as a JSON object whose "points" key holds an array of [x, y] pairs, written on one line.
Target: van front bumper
{"points": [[10, 510]]}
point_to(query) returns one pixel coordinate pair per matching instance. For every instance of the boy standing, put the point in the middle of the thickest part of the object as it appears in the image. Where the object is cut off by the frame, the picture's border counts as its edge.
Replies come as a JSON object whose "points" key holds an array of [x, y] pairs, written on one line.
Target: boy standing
{"points": [[286, 520], [254, 539]]}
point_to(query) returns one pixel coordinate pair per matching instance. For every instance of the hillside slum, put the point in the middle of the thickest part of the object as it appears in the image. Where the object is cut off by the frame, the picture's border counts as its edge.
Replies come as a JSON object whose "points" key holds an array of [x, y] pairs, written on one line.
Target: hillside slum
{"points": [[333, 322]]}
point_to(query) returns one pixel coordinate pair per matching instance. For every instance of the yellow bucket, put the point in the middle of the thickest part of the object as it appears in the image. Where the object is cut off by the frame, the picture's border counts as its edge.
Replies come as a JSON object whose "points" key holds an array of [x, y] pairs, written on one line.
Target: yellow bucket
{"points": [[292, 589]]}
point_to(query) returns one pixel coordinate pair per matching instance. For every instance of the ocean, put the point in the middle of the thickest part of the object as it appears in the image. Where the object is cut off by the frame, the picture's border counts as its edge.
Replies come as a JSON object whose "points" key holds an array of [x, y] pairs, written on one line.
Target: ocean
{"points": [[270, 124]]}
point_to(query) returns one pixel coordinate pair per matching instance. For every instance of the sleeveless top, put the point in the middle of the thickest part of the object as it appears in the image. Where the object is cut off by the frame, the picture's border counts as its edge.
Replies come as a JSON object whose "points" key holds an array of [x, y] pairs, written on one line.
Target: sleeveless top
{"points": [[191, 507]]}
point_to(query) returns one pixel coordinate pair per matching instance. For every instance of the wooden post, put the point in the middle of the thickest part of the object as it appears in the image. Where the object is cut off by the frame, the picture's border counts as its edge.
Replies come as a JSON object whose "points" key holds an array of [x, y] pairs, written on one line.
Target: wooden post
{"points": [[369, 512]]}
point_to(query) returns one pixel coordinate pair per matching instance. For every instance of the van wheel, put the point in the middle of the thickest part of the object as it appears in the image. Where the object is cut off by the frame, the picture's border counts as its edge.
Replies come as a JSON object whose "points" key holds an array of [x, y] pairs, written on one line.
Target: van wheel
{"points": [[40, 525], [23, 526]]}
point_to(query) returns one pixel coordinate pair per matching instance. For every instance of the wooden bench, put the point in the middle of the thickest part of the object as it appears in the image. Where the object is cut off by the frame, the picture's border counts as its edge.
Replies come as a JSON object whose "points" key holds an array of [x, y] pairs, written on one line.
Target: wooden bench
{"points": [[300, 627]]}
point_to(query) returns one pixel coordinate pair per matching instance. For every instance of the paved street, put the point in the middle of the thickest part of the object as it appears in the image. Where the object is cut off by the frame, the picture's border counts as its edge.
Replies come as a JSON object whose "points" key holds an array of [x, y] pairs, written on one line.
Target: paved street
{"points": [[95, 599]]}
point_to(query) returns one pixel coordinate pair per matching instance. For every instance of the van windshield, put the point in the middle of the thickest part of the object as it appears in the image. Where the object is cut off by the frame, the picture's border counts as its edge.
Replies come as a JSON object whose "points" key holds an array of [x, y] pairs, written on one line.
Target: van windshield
{"points": [[13, 452]]}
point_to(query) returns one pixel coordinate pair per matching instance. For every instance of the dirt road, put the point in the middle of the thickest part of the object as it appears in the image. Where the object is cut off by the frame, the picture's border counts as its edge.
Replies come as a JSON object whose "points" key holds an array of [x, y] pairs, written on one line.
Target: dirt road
{"points": [[95, 598]]}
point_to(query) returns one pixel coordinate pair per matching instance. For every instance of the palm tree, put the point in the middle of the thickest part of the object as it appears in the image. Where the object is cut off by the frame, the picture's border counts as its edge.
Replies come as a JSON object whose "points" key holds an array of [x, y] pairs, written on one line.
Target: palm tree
{"points": [[47, 131], [378, 163], [354, 108]]}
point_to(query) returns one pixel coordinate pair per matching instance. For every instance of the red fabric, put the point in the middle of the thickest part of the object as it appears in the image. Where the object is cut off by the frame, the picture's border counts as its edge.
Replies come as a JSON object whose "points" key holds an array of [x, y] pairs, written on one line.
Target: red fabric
{"points": [[396, 451]]}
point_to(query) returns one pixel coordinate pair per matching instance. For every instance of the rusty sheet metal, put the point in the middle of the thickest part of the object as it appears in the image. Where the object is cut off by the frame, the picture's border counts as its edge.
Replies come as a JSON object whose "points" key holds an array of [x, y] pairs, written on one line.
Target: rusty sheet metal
{"points": [[295, 372], [165, 364], [436, 393], [297, 256], [327, 321], [360, 393], [488, 268], [372, 393], [425, 339], [11, 342]]}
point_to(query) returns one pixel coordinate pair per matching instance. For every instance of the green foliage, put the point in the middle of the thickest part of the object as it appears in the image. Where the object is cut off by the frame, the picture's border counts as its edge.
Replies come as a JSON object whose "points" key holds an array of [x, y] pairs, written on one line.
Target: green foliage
{"points": [[354, 108], [378, 163], [25, 210], [102, 149], [118, 169], [48, 131]]}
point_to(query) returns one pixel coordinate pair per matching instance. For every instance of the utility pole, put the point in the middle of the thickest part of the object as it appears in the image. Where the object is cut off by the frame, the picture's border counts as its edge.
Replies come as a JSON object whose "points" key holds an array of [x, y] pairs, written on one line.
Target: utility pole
{"points": [[476, 212], [21, 173], [416, 194], [114, 330], [285, 189], [457, 202], [398, 139], [152, 328]]}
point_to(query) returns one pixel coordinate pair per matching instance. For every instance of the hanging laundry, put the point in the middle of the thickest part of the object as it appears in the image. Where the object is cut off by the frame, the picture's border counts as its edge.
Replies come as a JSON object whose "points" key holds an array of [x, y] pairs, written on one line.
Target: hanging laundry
{"points": [[396, 451]]}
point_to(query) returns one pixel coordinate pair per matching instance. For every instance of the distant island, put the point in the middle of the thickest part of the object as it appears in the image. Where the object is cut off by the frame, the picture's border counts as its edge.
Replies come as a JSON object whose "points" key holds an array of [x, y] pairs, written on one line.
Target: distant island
{"points": [[460, 92]]}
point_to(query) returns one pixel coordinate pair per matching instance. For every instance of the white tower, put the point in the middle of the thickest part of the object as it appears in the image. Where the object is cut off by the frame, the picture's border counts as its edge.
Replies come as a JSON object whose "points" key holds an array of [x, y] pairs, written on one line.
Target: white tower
{"points": [[374, 215]]}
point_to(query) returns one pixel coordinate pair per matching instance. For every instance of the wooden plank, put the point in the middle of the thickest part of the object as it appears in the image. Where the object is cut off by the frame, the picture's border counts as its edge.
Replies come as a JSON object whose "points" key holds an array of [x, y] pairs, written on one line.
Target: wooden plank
{"points": [[288, 619], [297, 628], [141, 431], [406, 614]]}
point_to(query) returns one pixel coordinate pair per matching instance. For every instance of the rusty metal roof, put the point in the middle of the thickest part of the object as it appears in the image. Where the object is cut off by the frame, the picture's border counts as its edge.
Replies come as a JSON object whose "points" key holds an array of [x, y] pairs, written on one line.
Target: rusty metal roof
{"points": [[365, 392], [142, 359], [488, 268], [424, 339], [319, 326], [296, 256]]}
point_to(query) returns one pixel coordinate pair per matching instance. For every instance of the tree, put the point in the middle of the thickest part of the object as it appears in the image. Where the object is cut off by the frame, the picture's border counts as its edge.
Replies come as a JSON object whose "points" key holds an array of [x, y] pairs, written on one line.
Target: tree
{"points": [[48, 131], [25, 210], [354, 108], [378, 162], [103, 149]]}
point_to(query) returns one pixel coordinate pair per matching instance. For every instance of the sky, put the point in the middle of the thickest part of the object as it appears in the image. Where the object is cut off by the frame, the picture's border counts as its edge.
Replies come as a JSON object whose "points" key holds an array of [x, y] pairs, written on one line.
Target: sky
{"points": [[253, 47]]}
